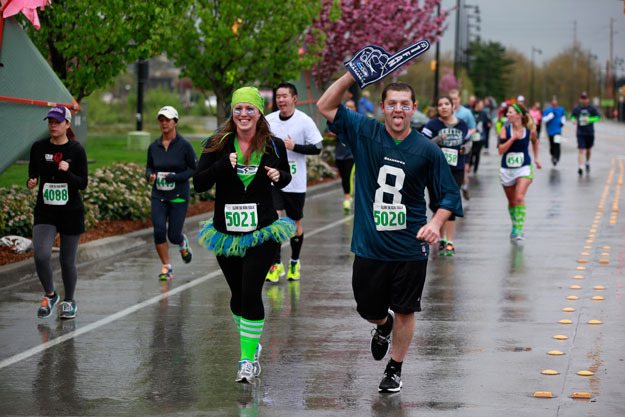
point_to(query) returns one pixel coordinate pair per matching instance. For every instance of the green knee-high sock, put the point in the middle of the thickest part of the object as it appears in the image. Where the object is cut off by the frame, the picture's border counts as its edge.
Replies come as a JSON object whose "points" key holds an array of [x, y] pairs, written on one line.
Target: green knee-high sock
{"points": [[519, 218], [512, 212], [250, 332]]}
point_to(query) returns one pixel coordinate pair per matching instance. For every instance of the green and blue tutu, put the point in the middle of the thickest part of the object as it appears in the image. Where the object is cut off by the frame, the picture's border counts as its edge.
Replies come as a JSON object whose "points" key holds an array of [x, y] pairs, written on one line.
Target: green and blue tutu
{"points": [[225, 244]]}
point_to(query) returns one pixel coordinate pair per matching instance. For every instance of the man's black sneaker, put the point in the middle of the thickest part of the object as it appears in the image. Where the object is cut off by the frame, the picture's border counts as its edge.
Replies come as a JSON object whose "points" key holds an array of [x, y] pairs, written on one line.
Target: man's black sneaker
{"points": [[379, 342], [580, 172], [47, 306], [391, 381], [587, 168]]}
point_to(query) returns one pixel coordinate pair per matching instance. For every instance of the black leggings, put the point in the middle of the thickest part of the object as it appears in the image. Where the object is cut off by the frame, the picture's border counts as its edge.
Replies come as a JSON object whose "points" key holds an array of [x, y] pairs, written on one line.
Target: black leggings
{"points": [[245, 277], [554, 148], [345, 171], [164, 214], [474, 159], [43, 238]]}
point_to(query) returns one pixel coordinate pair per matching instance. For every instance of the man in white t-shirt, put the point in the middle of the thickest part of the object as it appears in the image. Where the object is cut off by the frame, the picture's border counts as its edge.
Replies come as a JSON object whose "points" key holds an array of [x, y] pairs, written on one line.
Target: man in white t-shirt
{"points": [[301, 137]]}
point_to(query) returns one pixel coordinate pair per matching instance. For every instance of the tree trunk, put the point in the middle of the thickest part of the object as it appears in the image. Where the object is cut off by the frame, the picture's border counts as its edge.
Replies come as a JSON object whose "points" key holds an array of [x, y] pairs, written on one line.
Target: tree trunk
{"points": [[223, 95]]}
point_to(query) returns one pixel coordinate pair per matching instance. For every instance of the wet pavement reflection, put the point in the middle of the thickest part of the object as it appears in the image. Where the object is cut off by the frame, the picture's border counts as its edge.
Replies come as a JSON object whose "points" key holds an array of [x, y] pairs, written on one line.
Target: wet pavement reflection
{"points": [[141, 347]]}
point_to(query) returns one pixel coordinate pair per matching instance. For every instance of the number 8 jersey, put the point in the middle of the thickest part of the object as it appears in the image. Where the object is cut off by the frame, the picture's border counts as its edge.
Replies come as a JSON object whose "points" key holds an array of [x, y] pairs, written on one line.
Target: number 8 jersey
{"points": [[391, 178]]}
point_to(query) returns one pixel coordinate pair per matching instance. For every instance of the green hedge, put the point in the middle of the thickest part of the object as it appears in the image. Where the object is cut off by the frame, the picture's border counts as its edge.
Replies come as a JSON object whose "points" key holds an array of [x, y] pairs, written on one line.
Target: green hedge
{"points": [[120, 192], [115, 192]]}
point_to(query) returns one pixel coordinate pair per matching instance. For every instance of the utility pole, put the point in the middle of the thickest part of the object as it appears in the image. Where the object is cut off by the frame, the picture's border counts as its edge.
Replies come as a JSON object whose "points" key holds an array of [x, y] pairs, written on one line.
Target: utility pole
{"points": [[457, 43], [575, 48], [436, 60], [532, 96], [610, 67], [142, 77], [589, 70], [466, 21]]}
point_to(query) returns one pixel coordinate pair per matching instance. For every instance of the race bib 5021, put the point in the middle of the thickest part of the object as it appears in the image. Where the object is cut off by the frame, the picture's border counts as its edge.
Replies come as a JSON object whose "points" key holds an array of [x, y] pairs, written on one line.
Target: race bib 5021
{"points": [[241, 217]]}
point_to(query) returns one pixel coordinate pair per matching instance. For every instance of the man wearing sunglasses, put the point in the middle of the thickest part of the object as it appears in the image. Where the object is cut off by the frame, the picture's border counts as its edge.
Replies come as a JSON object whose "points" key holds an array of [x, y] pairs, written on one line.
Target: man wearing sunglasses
{"points": [[301, 137]]}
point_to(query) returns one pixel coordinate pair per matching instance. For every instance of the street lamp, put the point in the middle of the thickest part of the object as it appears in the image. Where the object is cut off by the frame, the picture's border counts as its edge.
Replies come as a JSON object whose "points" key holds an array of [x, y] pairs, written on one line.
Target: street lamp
{"points": [[532, 96]]}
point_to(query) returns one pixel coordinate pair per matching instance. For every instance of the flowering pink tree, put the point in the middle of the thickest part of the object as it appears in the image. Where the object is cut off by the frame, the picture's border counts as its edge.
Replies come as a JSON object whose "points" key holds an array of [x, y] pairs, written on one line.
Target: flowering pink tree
{"points": [[348, 25], [448, 81]]}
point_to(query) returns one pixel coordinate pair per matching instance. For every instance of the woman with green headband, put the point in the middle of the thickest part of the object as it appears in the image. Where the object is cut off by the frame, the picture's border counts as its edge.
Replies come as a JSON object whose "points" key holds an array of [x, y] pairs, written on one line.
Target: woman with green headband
{"points": [[243, 160], [517, 171]]}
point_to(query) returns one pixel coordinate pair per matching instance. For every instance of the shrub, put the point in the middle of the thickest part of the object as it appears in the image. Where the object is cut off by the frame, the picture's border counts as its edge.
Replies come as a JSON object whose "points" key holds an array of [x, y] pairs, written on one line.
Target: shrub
{"points": [[16, 214], [115, 192], [195, 197], [120, 192], [317, 169]]}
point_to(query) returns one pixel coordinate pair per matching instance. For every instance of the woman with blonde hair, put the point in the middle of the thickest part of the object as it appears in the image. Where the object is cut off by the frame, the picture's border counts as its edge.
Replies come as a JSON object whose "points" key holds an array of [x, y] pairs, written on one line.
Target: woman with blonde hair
{"points": [[517, 171]]}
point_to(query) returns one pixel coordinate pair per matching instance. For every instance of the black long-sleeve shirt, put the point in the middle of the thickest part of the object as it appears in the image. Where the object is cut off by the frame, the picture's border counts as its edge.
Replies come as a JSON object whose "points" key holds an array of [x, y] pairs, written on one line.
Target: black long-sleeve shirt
{"points": [[179, 159], [59, 200], [215, 168]]}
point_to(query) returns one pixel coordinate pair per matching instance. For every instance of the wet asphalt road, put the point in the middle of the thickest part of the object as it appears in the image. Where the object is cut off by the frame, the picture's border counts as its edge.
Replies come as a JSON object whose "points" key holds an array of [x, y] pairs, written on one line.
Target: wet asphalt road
{"points": [[139, 347]]}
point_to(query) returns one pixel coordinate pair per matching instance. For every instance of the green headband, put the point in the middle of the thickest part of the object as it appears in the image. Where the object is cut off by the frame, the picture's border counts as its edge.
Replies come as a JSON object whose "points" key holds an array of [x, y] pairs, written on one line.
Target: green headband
{"points": [[517, 108], [248, 95]]}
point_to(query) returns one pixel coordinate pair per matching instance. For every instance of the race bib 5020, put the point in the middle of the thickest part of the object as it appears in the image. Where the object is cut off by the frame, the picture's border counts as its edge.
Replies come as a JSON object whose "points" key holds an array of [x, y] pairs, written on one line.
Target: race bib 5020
{"points": [[389, 217]]}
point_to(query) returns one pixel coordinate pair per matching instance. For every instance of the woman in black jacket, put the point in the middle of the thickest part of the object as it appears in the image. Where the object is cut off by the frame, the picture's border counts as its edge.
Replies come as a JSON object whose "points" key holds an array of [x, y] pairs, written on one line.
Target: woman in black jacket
{"points": [[244, 161], [171, 162], [58, 167]]}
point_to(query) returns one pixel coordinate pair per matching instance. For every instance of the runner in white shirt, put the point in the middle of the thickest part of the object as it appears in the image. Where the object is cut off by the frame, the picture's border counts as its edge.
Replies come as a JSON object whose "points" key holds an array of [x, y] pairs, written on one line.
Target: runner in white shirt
{"points": [[301, 137]]}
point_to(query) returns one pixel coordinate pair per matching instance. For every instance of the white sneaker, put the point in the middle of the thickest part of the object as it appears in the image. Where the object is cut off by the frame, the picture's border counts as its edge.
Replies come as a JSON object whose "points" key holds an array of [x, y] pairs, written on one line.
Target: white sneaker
{"points": [[256, 362], [246, 372]]}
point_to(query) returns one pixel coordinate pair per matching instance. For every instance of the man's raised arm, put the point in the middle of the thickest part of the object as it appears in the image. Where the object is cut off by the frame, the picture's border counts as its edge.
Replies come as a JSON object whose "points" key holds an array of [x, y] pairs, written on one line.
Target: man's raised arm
{"points": [[329, 101]]}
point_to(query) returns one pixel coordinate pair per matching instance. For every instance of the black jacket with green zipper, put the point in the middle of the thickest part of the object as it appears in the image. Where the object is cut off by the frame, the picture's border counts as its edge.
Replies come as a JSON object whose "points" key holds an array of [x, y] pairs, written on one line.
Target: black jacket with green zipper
{"points": [[215, 168]]}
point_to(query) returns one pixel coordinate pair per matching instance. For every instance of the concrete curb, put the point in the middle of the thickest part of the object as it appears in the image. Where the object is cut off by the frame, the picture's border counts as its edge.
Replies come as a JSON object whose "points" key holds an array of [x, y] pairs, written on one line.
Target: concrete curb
{"points": [[114, 245]]}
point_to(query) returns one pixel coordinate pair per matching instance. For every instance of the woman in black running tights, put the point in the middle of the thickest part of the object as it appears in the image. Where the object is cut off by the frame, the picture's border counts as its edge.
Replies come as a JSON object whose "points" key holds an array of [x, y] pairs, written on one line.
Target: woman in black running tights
{"points": [[58, 166], [244, 161]]}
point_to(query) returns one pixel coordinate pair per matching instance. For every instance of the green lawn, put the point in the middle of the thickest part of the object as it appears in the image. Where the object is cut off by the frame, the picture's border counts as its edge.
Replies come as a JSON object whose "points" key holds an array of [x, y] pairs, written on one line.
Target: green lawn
{"points": [[101, 150]]}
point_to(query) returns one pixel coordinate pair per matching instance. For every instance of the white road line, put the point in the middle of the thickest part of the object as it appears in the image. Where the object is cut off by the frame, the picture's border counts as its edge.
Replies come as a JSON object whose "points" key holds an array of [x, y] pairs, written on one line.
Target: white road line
{"points": [[134, 308]]}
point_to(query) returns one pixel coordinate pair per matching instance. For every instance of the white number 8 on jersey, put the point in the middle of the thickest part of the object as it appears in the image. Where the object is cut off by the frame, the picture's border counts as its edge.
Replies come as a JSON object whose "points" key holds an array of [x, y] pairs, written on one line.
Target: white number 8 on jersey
{"points": [[399, 175]]}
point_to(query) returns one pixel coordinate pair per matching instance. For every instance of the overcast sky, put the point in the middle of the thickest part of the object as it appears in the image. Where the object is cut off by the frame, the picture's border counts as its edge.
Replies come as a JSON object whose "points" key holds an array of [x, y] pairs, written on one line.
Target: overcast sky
{"points": [[547, 25]]}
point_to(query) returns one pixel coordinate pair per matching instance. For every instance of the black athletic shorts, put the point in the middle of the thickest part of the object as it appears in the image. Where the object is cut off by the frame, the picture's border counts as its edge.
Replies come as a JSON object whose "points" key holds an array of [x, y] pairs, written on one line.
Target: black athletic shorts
{"points": [[292, 203], [380, 285], [585, 141]]}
